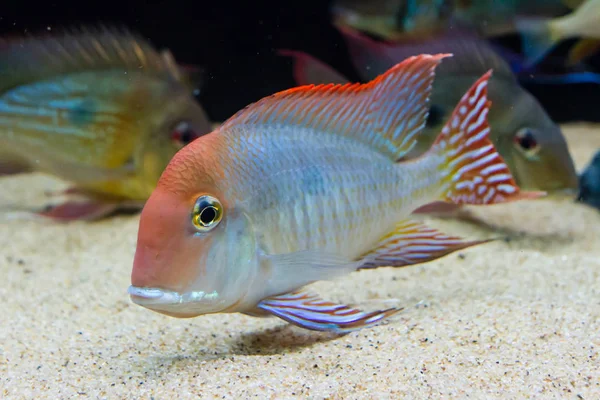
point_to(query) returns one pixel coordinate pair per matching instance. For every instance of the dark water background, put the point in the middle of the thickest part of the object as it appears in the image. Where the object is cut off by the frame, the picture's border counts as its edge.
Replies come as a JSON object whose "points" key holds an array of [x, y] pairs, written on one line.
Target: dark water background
{"points": [[236, 43]]}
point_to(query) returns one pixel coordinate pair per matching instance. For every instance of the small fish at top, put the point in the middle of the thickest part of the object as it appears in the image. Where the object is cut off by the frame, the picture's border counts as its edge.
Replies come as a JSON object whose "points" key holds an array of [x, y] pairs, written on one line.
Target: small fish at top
{"points": [[405, 20], [393, 19], [97, 107], [306, 185], [541, 35], [532, 145]]}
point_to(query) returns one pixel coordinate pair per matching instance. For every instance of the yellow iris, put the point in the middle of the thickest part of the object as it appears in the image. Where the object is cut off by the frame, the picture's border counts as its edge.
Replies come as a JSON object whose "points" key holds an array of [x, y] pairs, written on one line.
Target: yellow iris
{"points": [[207, 213]]}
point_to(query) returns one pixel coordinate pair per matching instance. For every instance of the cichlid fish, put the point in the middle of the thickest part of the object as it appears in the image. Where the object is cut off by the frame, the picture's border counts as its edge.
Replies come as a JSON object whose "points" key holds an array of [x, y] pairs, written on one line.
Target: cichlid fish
{"points": [[542, 23], [529, 141], [306, 185], [404, 19], [541, 35], [393, 19], [100, 108]]}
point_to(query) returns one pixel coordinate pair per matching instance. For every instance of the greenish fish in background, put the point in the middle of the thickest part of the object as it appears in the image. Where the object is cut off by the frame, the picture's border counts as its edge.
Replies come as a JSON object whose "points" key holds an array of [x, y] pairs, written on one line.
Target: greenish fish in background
{"points": [[529, 141], [400, 19], [99, 107], [542, 23]]}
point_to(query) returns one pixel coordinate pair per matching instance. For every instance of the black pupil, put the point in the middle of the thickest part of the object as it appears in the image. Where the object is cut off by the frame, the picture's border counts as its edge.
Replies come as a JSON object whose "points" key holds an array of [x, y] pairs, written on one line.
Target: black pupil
{"points": [[208, 215], [186, 136], [527, 141]]}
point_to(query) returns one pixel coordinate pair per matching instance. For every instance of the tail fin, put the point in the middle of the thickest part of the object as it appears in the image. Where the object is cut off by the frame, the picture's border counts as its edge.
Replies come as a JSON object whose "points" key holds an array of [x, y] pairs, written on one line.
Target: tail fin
{"points": [[475, 172], [537, 39]]}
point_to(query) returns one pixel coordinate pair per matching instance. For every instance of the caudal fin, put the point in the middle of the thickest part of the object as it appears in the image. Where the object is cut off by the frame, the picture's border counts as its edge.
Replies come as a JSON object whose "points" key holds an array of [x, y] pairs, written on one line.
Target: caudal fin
{"points": [[537, 39], [474, 172]]}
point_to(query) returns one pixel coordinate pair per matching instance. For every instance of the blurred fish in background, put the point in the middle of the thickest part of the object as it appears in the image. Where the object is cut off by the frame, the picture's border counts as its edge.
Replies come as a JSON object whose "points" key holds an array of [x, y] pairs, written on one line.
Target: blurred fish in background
{"points": [[530, 142], [542, 23], [540, 36], [589, 187], [99, 107]]}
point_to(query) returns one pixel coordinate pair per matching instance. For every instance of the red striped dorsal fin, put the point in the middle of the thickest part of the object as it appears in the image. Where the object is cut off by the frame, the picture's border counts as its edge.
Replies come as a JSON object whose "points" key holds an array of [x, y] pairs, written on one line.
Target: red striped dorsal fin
{"points": [[386, 113], [474, 171]]}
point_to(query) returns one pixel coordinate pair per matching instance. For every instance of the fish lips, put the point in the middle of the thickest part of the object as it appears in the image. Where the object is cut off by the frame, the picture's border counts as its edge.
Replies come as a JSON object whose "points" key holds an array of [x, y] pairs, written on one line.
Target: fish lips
{"points": [[148, 297], [174, 304]]}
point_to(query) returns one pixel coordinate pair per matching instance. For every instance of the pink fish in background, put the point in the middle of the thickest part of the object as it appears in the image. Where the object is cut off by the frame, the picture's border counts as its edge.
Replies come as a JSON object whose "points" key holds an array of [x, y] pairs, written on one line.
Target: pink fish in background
{"points": [[306, 185]]}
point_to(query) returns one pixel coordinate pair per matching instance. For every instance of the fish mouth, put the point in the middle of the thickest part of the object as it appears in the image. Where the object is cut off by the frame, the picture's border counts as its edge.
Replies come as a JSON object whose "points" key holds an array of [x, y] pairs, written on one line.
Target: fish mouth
{"points": [[148, 296], [174, 304]]}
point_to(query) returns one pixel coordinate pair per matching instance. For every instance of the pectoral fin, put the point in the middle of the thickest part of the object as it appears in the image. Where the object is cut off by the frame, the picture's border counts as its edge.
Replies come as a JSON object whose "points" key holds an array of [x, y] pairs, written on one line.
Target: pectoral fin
{"points": [[413, 243], [293, 270], [308, 311]]}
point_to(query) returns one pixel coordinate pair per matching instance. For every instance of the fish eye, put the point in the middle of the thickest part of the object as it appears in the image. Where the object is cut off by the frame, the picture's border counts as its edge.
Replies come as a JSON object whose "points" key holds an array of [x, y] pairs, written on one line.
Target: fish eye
{"points": [[207, 213], [183, 134], [526, 142]]}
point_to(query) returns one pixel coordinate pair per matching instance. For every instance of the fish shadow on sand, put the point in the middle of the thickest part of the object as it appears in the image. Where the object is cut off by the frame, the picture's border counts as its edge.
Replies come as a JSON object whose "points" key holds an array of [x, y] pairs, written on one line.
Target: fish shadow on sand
{"points": [[280, 340], [509, 234]]}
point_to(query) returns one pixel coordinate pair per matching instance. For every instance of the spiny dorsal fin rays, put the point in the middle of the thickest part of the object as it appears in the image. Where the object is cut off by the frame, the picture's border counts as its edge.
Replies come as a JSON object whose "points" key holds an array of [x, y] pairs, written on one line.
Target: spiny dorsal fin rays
{"points": [[42, 56], [386, 113]]}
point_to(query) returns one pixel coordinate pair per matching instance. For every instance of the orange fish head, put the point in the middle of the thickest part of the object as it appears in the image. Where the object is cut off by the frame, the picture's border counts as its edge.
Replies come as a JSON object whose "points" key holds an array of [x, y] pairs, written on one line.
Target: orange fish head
{"points": [[196, 253]]}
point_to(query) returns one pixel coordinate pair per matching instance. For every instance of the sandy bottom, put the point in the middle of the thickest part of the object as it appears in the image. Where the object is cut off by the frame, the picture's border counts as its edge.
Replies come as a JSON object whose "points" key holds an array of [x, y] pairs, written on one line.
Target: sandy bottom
{"points": [[514, 318]]}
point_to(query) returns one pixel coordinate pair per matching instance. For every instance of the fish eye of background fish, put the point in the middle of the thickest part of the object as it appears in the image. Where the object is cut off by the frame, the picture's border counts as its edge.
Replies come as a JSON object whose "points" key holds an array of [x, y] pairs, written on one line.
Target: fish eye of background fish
{"points": [[526, 142], [183, 133]]}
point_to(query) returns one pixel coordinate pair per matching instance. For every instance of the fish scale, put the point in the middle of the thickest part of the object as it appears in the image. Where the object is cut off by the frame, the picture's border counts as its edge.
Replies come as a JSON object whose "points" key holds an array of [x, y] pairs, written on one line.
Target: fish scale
{"points": [[359, 189]]}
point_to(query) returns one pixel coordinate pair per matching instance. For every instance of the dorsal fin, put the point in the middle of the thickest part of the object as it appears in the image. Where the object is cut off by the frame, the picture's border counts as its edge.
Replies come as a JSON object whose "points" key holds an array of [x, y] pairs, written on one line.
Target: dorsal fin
{"points": [[386, 113], [38, 57], [471, 54], [308, 70]]}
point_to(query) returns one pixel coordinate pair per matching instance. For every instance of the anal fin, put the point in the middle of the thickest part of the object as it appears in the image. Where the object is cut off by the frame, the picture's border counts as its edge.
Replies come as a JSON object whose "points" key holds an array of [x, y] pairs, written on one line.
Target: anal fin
{"points": [[78, 210], [411, 243], [307, 310], [86, 210]]}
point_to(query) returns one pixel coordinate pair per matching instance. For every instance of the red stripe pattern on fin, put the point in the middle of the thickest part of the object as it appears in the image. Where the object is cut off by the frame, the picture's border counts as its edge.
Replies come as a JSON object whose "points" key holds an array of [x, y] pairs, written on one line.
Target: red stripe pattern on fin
{"points": [[386, 114], [476, 173], [413, 243], [307, 310]]}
